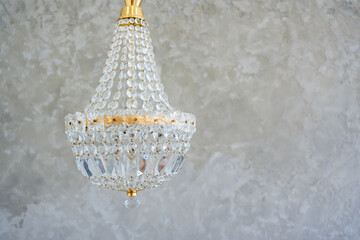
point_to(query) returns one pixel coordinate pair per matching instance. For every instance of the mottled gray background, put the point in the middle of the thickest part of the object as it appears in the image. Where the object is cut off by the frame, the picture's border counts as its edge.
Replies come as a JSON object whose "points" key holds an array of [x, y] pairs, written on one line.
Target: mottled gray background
{"points": [[275, 86]]}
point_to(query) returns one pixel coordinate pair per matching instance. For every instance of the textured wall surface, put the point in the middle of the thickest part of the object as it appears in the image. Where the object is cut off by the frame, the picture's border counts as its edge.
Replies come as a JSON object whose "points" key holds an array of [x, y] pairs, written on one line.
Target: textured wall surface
{"points": [[275, 86]]}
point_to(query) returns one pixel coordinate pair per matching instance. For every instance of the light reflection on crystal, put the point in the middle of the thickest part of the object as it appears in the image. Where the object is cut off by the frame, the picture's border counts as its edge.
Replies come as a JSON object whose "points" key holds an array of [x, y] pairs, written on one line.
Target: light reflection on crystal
{"points": [[177, 164], [86, 167]]}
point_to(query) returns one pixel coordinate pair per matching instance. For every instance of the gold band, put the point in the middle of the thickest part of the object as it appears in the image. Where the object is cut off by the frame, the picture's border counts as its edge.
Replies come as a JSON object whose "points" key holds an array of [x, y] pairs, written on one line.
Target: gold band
{"points": [[129, 24], [130, 119]]}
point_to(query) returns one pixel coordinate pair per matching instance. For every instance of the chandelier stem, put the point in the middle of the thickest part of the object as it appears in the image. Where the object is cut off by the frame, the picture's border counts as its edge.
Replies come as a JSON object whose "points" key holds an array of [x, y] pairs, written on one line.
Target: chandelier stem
{"points": [[132, 9]]}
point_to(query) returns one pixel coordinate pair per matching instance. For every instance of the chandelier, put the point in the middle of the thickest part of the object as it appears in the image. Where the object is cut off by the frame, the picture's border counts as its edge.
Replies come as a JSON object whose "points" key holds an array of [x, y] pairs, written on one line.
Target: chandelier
{"points": [[129, 138]]}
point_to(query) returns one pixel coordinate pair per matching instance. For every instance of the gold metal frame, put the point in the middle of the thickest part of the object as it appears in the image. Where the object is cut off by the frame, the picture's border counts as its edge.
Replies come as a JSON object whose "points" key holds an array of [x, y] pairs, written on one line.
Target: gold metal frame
{"points": [[130, 119]]}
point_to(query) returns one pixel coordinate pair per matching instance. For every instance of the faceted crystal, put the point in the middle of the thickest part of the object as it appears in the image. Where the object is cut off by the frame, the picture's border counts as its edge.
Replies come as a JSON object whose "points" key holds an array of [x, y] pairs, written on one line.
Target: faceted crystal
{"points": [[101, 105], [131, 103], [145, 96], [148, 107], [117, 95], [142, 86], [163, 96], [131, 83], [131, 72], [132, 202], [113, 105]]}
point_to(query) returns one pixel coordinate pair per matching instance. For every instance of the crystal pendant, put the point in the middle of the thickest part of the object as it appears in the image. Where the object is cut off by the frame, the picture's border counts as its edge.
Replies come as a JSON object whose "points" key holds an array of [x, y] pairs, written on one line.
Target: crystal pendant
{"points": [[129, 138], [132, 202]]}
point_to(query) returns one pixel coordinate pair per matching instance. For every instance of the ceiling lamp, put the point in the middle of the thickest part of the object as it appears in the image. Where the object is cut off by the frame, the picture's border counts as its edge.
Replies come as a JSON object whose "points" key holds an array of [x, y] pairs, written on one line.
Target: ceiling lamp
{"points": [[129, 138]]}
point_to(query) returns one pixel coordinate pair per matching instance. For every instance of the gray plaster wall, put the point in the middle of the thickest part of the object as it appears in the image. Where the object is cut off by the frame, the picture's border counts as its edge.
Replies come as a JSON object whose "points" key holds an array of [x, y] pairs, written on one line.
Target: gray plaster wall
{"points": [[275, 86]]}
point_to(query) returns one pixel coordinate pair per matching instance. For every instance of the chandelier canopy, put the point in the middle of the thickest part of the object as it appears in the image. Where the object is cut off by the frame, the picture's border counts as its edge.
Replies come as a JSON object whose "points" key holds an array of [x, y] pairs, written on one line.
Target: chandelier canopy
{"points": [[129, 137]]}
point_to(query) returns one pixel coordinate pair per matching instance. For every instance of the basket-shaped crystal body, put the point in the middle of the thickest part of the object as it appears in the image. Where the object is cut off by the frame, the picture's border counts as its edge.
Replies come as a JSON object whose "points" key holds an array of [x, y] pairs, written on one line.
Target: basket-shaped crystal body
{"points": [[129, 137]]}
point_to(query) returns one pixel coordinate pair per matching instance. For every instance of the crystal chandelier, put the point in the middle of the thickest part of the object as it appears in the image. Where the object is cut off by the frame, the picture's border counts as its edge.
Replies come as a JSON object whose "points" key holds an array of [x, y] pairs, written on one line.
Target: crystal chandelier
{"points": [[129, 138]]}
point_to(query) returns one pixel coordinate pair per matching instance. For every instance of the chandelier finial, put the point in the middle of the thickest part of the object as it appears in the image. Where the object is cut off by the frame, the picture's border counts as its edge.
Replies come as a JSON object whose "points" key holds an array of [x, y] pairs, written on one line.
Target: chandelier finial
{"points": [[132, 9]]}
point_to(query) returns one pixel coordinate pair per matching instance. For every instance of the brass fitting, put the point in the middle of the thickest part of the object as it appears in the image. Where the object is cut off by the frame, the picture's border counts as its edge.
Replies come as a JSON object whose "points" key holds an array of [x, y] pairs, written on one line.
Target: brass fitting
{"points": [[132, 9], [132, 193]]}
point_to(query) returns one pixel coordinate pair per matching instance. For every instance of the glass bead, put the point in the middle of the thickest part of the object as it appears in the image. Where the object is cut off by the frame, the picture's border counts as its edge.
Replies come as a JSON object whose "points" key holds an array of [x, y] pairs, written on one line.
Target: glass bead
{"points": [[130, 93], [99, 88], [139, 49], [123, 59], [95, 98], [160, 107], [119, 86], [132, 48], [131, 83], [114, 65], [112, 75], [145, 96], [121, 75], [131, 72], [163, 96], [113, 105], [117, 95], [142, 86], [140, 57], [131, 64], [107, 94], [105, 70], [141, 75], [110, 84], [102, 79], [148, 106], [152, 86], [149, 76], [101, 105], [131, 56], [131, 103], [159, 86], [140, 66], [155, 97]]}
